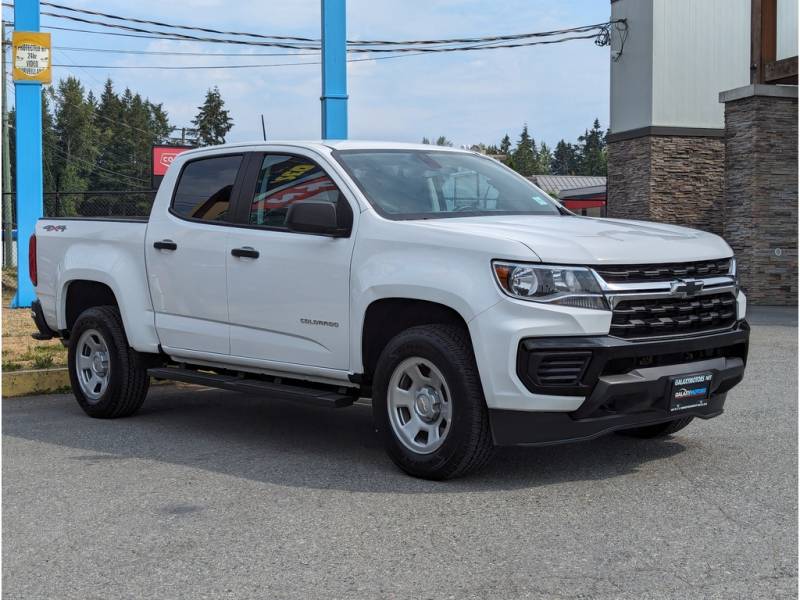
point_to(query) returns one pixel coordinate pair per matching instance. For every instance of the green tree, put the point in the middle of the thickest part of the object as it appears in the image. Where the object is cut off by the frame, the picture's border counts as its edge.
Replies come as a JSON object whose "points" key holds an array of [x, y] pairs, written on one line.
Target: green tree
{"points": [[543, 160], [76, 141], [213, 122], [593, 159], [443, 141], [426, 140], [505, 145], [565, 159], [523, 159]]}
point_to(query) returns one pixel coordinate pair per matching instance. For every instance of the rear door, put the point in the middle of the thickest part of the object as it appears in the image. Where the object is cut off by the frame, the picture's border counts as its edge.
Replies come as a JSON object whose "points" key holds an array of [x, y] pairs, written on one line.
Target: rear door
{"points": [[288, 293], [186, 255]]}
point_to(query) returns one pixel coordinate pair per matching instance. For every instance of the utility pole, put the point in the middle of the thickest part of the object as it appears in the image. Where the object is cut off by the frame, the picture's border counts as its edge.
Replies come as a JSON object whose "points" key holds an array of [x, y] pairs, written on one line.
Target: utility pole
{"points": [[8, 243], [334, 70]]}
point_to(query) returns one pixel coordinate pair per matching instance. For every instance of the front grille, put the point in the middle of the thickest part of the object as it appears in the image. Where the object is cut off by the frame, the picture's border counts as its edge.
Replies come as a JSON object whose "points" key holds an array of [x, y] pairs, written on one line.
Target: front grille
{"points": [[636, 318], [663, 272]]}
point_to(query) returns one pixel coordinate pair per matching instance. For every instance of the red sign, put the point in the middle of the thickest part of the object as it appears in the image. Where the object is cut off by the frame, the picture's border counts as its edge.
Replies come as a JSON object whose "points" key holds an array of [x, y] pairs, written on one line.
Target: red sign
{"points": [[163, 157]]}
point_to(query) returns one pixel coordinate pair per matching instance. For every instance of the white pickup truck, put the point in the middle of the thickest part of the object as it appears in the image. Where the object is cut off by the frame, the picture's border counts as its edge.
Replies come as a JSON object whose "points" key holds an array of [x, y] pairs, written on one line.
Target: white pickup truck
{"points": [[473, 309]]}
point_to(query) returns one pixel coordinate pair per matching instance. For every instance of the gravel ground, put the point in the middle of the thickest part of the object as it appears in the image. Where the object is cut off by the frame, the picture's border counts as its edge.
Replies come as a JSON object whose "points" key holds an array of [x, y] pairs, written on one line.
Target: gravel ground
{"points": [[210, 494]]}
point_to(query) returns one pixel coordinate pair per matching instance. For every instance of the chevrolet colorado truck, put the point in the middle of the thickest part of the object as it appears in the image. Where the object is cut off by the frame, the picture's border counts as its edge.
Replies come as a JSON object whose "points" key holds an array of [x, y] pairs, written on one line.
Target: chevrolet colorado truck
{"points": [[473, 309]]}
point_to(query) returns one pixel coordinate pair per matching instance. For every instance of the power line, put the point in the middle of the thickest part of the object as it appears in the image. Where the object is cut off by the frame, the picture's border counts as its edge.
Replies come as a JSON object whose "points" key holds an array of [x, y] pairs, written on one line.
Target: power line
{"points": [[509, 37], [599, 30], [295, 64], [175, 53]]}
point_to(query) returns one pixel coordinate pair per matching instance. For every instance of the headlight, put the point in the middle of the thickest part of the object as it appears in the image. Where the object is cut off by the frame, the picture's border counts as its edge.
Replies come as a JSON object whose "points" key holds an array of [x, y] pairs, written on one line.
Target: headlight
{"points": [[569, 286]]}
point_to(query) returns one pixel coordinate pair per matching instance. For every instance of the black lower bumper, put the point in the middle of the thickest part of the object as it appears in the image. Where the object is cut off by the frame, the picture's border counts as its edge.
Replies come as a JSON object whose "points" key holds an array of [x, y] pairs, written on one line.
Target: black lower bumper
{"points": [[625, 384], [43, 329]]}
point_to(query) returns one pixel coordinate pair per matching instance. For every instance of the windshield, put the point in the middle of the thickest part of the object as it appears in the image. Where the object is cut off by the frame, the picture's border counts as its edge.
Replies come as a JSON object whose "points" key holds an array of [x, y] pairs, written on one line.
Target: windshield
{"points": [[424, 184]]}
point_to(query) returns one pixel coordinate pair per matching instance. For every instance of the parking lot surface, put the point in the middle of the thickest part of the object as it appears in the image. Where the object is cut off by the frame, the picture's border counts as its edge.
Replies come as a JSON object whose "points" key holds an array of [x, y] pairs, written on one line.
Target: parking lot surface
{"points": [[211, 494]]}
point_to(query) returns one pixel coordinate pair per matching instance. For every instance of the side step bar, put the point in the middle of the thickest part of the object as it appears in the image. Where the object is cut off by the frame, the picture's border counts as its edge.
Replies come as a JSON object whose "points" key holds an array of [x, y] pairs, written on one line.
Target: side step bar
{"points": [[279, 391]]}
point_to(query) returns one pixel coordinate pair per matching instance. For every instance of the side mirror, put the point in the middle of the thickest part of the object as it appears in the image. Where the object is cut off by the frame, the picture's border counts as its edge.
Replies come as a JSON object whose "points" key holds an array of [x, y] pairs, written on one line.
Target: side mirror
{"points": [[315, 216]]}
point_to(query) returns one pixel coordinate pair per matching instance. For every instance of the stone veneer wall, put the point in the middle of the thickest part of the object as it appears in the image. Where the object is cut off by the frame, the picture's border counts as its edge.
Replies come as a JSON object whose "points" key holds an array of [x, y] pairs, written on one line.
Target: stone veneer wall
{"points": [[670, 179], [761, 195]]}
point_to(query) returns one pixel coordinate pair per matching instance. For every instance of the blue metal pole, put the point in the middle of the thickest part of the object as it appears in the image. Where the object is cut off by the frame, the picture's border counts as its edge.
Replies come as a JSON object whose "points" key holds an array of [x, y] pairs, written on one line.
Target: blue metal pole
{"points": [[28, 98], [334, 70]]}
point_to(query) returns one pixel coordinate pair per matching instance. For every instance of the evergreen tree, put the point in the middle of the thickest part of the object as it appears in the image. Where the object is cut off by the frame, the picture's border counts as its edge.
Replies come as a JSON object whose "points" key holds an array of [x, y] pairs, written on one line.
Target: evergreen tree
{"points": [[443, 141], [565, 159], [523, 159], [76, 143], [110, 125], [426, 140], [543, 160], [593, 151], [505, 145], [213, 122]]}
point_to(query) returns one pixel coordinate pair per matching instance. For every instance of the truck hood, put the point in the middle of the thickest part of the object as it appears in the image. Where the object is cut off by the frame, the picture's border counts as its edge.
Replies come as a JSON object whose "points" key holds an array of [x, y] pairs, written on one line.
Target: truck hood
{"points": [[584, 240]]}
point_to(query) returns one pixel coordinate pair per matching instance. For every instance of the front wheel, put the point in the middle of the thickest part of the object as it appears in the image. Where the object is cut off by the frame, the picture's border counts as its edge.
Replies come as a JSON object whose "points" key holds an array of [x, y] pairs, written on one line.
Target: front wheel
{"points": [[428, 403], [108, 377]]}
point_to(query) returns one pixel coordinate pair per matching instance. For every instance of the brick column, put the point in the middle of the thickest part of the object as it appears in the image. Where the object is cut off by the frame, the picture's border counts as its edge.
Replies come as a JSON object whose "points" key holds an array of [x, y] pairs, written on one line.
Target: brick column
{"points": [[761, 189], [671, 175]]}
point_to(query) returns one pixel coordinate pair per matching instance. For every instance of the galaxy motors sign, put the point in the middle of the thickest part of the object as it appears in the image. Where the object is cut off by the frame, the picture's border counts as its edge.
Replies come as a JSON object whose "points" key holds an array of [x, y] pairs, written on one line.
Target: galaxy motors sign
{"points": [[161, 159]]}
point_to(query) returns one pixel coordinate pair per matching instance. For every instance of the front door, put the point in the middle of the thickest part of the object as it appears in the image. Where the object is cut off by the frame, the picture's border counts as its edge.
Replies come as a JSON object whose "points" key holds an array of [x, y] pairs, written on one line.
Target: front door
{"points": [[186, 255], [288, 293]]}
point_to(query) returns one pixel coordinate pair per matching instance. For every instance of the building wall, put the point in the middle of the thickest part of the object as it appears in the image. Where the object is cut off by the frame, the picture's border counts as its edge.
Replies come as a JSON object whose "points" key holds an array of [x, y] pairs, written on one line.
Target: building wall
{"points": [[761, 195], [629, 179], [669, 179], [632, 75], [699, 48], [787, 29], [678, 56]]}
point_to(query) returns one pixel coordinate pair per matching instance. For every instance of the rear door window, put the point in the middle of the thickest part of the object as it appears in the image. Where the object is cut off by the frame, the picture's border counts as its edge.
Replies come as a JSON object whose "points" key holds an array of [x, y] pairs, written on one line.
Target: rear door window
{"points": [[204, 188]]}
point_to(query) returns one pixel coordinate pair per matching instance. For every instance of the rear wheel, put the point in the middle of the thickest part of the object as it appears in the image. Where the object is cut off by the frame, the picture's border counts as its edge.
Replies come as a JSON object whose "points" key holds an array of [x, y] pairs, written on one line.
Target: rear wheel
{"points": [[660, 430], [428, 403], [109, 378]]}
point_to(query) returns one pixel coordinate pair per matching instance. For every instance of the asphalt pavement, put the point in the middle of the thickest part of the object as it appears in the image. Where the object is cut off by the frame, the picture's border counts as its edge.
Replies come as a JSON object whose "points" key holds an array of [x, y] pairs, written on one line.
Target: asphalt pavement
{"points": [[212, 494]]}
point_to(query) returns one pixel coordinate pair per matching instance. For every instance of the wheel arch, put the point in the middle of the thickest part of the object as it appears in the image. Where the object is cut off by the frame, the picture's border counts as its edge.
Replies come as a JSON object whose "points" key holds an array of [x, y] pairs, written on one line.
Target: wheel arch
{"points": [[386, 317]]}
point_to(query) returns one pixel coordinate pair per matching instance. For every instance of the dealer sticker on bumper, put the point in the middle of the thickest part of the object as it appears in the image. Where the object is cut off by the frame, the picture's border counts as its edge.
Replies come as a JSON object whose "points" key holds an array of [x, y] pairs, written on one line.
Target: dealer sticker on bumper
{"points": [[690, 391]]}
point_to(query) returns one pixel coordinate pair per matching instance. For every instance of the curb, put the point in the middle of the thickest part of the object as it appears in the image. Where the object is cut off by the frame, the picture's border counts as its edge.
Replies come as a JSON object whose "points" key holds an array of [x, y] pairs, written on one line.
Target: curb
{"points": [[43, 381]]}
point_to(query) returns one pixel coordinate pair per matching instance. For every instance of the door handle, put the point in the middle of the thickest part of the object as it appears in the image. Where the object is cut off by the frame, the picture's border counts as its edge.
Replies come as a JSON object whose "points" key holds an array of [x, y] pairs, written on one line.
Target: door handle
{"points": [[165, 245], [246, 252]]}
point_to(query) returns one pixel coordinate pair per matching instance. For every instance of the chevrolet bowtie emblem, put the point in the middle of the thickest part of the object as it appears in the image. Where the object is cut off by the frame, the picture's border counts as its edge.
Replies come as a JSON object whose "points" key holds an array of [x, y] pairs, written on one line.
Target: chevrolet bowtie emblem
{"points": [[686, 288]]}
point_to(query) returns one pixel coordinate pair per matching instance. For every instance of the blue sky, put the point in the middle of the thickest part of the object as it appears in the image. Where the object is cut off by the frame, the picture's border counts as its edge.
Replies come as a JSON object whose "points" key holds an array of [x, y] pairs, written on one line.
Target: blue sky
{"points": [[469, 97]]}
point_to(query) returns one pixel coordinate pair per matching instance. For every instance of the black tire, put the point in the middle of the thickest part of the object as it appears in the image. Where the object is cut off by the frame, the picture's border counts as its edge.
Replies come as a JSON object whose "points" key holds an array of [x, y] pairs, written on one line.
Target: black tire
{"points": [[128, 381], [468, 443], [659, 430]]}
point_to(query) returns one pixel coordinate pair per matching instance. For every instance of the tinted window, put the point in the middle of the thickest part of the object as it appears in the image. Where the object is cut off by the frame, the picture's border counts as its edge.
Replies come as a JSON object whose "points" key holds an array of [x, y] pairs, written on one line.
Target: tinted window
{"points": [[204, 189], [287, 179], [414, 184]]}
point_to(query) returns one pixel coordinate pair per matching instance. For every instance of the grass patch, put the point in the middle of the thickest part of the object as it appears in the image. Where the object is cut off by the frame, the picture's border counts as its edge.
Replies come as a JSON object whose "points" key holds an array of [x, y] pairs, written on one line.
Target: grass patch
{"points": [[20, 350]]}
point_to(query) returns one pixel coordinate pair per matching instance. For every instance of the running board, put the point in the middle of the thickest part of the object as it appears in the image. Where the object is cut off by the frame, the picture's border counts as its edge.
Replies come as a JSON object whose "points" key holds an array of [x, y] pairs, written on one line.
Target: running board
{"points": [[279, 391]]}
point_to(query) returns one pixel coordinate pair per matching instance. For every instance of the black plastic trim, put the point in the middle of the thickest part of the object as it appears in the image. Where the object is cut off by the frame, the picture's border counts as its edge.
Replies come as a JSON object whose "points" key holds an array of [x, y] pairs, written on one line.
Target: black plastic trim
{"points": [[606, 348], [44, 333], [522, 428]]}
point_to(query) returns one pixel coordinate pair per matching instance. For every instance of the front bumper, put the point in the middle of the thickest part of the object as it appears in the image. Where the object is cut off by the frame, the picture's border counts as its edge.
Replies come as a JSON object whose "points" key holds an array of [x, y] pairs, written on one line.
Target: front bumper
{"points": [[625, 384]]}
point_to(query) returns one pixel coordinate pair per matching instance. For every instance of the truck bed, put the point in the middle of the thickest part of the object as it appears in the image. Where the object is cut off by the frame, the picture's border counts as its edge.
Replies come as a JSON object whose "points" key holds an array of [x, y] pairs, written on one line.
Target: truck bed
{"points": [[102, 249]]}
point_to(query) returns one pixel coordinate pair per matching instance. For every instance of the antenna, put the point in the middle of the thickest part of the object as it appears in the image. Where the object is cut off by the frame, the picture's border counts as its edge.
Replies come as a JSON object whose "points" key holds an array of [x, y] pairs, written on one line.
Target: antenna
{"points": [[263, 127]]}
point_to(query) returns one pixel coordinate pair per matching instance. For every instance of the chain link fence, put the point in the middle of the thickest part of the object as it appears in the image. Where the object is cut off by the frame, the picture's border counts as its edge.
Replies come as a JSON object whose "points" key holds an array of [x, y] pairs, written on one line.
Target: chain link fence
{"points": [[103, 203]]}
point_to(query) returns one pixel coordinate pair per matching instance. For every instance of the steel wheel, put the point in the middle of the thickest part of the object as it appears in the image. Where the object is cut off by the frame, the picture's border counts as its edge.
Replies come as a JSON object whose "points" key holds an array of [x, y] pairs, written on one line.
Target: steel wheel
{"points": [[92, 365], [420, 405]]}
